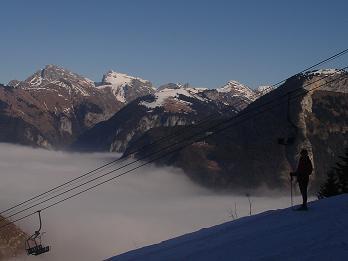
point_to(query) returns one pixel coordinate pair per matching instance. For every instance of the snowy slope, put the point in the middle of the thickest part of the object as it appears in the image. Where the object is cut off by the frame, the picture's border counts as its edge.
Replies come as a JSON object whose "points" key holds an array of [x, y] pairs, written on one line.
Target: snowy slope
{"points": [[264, 89], [329, 71], [125, 87], [237, 89], [174, 94], [118, 79], [319, 234]]}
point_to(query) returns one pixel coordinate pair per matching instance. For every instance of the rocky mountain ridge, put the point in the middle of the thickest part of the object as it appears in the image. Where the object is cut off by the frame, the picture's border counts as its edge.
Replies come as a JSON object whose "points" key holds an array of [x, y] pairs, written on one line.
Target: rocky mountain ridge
{"points": [[249, 155], [125, 88], [169, 106], [55, 108], [172, 104], [52, 107], [12, 241]]}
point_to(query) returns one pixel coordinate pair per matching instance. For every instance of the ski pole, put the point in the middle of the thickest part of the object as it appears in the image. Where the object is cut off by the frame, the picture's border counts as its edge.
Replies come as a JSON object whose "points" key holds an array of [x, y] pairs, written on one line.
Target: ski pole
{"points": [[291, 192]]}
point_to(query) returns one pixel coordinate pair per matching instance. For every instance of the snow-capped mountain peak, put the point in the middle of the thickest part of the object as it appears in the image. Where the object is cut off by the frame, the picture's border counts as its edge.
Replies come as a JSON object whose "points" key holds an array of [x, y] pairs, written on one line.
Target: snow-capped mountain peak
{"points": [[53, 72], [14, 83], [324, 72], [174, 94], [53, 77], [186, 86], [125, 87], [263, 89], [237, 89], [119, 79], [172, 86]]}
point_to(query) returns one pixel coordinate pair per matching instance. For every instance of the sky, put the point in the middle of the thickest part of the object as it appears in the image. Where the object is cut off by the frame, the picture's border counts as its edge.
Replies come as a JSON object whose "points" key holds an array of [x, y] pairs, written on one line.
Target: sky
{"points": [[205, 43], [140, 208]]}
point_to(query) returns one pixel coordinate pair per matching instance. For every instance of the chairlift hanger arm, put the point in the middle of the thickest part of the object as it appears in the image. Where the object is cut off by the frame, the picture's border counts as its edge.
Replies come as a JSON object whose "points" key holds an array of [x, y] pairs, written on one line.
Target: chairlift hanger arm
{"points": [[288, 115], [37, 249], [38, 231]]}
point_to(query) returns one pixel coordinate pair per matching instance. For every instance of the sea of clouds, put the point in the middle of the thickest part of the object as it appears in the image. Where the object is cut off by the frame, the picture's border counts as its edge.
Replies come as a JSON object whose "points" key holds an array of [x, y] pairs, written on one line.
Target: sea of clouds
{"points": [[144, 207]]}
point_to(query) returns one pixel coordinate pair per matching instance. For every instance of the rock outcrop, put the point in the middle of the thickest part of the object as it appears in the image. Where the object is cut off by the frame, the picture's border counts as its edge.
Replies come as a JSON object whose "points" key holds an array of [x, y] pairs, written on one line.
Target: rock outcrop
{"points": [[12, 241], [248, 153]]}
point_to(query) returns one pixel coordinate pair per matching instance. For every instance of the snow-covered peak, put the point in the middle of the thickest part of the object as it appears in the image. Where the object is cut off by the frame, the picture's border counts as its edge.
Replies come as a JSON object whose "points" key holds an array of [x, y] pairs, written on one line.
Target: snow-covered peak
{"points": [[263, 89], [237, 89], [185, 86], [14, 83], [119, 79], [53, 77], [174, 94], [324, 72], [53, 72], [125, 87], [170, 86]]}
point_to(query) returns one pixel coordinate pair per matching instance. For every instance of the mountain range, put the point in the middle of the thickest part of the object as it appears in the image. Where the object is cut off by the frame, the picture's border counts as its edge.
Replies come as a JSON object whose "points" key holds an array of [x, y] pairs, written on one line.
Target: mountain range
{"points": [[53, 107], [58, 109], [171, 105], [261, 145]]}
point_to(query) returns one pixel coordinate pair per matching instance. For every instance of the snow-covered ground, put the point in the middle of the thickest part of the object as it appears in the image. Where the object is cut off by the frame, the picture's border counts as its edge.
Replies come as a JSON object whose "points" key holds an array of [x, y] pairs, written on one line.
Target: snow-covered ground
{"points": [[318, 234]]}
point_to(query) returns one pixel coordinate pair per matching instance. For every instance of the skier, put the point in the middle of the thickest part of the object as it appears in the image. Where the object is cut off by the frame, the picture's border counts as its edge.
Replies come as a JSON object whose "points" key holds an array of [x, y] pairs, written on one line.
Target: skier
{"points": [[302, 173]]}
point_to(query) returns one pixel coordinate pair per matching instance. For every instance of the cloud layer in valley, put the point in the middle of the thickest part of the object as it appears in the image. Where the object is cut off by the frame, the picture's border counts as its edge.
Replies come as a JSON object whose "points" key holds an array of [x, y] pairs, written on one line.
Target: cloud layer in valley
{"points": [[143, 207]]}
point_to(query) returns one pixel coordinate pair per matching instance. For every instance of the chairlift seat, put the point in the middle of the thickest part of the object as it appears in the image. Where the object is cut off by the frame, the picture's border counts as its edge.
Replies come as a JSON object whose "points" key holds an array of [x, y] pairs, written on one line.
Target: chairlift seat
{"points": [[38, 250]]}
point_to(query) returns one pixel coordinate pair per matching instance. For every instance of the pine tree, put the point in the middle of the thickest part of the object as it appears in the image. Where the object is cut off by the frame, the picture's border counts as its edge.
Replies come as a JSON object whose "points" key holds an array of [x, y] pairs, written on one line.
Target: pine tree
{"points": [[337, 180], [342, 172], [331, 187]]}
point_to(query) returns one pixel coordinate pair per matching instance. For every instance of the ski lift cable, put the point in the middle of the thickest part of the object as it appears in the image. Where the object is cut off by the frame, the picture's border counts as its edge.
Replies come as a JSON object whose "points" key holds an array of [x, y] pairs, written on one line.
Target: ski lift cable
{"points": [[75, 181], [97, 170], [123, 158], [93, 172], [146, 163], [138, 160], [147, 156], [304, 92], [333, 57]]}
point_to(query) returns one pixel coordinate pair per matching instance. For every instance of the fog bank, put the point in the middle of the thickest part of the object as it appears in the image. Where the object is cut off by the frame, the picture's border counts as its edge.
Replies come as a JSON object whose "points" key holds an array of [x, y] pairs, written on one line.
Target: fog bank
{"points": [[141, 208]]}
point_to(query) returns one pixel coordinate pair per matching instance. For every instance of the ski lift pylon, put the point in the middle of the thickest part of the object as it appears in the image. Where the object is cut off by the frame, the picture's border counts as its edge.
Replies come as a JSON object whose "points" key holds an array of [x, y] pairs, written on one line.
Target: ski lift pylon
{"points": [[33, 244], [290, 139]]}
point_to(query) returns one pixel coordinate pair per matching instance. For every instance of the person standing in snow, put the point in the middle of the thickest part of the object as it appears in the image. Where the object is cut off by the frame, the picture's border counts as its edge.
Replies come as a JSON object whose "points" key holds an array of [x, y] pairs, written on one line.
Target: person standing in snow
{"points": [[302, 173]]}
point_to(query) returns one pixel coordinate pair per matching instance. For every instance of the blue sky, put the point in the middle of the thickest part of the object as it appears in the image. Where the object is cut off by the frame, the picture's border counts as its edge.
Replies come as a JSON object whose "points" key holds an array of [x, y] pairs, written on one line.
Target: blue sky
{"points": [[205, 43]]}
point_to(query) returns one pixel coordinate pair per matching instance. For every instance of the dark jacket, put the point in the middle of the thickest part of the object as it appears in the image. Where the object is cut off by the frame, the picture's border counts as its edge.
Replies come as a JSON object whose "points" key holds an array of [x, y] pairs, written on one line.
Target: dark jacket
{"points": [[304, 168]]}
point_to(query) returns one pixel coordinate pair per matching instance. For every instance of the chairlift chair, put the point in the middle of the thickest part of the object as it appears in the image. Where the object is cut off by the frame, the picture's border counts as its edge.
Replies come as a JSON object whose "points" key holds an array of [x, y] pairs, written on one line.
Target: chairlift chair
{"points": [[33, 244]]}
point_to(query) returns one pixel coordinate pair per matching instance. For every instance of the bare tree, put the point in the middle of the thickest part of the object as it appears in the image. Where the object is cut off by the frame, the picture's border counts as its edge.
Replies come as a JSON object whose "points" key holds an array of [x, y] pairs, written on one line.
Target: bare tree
{"points": [[250, 202], [233, 213]]}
